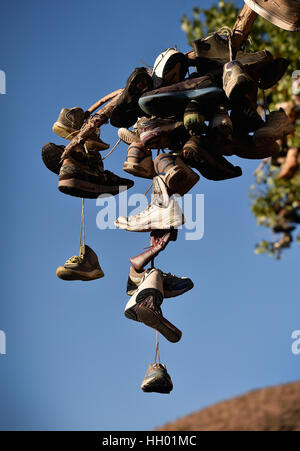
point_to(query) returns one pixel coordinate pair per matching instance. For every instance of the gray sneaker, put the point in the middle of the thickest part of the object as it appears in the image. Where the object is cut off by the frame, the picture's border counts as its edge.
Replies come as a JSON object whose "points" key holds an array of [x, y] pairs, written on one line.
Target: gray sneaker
{"points": [[157, 379]]}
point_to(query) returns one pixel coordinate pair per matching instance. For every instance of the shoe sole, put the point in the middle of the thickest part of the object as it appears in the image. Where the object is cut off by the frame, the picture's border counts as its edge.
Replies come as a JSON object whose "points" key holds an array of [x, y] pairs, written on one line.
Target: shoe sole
{"points": [[161, 225], [138, 171], [70, 274], [180, 180], [80, 188], [168, 102], [168, 330], [271, 17]]}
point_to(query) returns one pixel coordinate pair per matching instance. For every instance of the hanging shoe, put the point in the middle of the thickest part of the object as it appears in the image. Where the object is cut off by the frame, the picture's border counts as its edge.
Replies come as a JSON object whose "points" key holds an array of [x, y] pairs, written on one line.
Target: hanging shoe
{"points": [[194, 119], [160, 242], [276, 127], [163, 102], [139, 161], [178, 177], [83, 267], [220, 123], [154, 133], [82, 175], [162, 213], [210, 164], [173, 286], [290, 166], [169, 67], [157, 379], [236, 82], [245, 119], [144, 306], [245, 147], [128, 136], [213, 52], [283, 13], [51, 156], [127, 110], [272, 73], [69, 123]]}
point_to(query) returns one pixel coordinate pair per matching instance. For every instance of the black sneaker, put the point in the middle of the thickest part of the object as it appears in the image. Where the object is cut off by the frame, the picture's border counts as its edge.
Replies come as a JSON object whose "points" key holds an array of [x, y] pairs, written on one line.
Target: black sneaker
{"points": [[127, 110]]}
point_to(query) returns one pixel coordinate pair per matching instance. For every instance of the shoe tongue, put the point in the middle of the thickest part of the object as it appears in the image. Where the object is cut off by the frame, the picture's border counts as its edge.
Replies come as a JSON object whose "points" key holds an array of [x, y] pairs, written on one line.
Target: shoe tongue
{"points": [[82, 250], [160, 195]]}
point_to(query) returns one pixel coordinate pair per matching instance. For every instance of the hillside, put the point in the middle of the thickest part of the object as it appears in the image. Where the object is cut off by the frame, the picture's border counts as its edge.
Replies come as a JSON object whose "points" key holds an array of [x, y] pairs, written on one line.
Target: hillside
{"points": [[268, 409]]}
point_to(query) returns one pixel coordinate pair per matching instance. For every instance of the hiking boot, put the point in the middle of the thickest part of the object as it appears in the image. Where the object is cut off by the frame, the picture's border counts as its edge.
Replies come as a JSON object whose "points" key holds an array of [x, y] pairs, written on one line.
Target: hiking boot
{"points": [[236, 82], [178, 177], [139, 161], [162, 213], [157, 379], [128, 136], [154, 132], [245, 147], [213, 52], [194, 119], [173, 286], [290, 165], [69, 123], [83, 267], [82, 175], [144, 306], [276, 127], [51, 156], [169, 67], [272, 73], [127, 110], [159, 244], [220, 124], [211, 165], [163, 102], [283, 13]]}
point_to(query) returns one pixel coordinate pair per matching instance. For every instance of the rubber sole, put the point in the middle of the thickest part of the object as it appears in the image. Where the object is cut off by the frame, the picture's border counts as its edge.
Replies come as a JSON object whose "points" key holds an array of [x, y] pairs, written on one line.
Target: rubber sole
{"points": [[166, 103], [70, 274], [162, 325], [138, 171], [80, 188]]}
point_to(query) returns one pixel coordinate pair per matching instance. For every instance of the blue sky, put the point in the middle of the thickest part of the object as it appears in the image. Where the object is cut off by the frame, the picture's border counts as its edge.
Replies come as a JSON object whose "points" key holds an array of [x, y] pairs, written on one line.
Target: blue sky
{"points": [[73, 360]]}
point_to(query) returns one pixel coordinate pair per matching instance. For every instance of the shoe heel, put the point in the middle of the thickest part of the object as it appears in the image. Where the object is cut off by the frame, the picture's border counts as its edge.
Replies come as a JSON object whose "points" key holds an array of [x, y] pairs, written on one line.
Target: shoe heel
{"points": [[64, 132], [182, 181]]}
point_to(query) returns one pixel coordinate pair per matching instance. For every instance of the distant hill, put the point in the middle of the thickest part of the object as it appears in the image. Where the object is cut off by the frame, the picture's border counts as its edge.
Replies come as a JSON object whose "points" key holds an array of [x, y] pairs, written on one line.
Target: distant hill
{"points": [[268, 409]]}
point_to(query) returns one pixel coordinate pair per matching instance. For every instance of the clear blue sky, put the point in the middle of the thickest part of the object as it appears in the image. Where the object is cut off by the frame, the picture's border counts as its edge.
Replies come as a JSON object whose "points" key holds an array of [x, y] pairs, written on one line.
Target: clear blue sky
{"points": [[73, 360]]}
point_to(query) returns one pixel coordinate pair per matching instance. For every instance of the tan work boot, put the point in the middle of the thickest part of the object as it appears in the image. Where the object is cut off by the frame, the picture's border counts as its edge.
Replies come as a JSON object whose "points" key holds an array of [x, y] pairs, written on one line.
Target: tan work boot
{"points": [[83, 267], [290, 165], [139, 161], [178, 176], [276, 127], [68, 125]]}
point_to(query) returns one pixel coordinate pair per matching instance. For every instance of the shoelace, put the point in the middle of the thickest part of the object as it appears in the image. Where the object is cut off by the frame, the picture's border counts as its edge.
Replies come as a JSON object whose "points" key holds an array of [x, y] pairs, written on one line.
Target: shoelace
{"points": [[74, 259]]}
